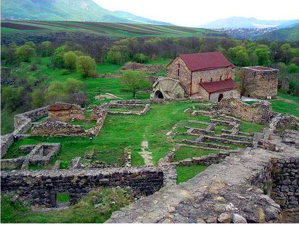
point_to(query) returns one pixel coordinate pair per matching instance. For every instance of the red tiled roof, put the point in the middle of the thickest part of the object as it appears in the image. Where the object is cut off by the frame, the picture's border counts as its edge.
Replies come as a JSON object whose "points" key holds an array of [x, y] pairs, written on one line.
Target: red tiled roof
{"points": [[205, 61], [212, 87]]}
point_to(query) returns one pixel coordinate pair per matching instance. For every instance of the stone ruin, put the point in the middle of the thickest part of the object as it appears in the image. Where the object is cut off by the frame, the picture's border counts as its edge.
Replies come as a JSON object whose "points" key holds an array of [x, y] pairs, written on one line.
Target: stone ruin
{"points": [[40, 154], [246, 188], [66, 112], [260, 112], [246, 185], [40, 188], [60, 114]]}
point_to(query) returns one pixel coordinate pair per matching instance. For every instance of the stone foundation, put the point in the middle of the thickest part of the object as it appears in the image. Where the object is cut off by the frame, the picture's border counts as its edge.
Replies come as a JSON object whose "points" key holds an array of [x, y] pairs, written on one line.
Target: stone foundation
{"points": [[40, 154], [56, 128]]}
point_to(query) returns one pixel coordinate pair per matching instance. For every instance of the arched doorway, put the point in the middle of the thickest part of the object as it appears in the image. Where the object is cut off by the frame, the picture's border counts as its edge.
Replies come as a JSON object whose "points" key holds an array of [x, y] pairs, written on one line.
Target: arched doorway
{"points": [[159, 95], [220, 97]]}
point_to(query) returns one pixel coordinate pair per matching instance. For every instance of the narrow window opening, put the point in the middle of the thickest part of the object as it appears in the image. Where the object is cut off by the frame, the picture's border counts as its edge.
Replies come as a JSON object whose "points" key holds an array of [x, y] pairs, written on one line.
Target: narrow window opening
{"points": [[62, 200]]}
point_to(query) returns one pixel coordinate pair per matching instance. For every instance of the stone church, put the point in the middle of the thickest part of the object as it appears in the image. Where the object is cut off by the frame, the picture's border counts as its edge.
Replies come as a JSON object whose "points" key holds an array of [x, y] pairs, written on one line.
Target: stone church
{"points": [[208, 75]]}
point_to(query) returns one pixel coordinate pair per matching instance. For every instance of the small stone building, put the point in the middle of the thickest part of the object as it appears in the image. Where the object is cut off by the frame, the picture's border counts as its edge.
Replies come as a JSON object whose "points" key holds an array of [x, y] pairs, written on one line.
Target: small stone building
{"points": [[259, 82], [208, 75], [168, 88]]}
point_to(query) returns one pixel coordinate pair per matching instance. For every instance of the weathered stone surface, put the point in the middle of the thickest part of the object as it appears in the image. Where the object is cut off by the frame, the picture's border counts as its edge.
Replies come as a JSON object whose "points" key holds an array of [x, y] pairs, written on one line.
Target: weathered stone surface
{"points": [[66, 112], [260, 112], [283, 122], [238, 219], [168, 88], [224, 218], [39, 187], [40, 154], [52, 127], [291, 137], [260, 83], [231, 179]]}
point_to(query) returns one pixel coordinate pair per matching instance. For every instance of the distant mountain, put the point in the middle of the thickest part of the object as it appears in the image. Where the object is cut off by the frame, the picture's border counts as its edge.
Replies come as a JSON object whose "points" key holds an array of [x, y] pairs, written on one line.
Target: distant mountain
{"points": [[65, 10], [243, 22], [283, 35], [132, 17]]}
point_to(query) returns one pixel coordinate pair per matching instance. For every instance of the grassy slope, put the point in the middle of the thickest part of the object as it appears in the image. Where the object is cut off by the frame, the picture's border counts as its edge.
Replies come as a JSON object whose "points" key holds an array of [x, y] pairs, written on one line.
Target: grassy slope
{"points": [[285, 34], [105, 29], [286, 104], [94, 86]]}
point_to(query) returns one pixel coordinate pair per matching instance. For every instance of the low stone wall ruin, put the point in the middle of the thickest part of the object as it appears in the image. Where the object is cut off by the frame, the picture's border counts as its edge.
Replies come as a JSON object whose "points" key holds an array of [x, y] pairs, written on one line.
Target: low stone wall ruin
{"points": [[22, 122], [280, 122], [260, 112], [145, 107], [6, 141], [41, 187], [40, 154], [56, 128]]}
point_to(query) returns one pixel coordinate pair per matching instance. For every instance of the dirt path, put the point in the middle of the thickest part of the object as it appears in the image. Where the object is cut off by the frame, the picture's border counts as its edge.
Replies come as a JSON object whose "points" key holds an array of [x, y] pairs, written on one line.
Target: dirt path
{"points": [[146, 154]]}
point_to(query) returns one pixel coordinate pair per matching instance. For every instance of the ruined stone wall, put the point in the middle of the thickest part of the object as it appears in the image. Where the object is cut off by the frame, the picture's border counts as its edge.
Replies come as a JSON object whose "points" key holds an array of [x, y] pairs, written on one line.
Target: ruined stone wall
{"points": [[285, 188], [260, 84], [6, 141], [260, 112], [22, 122], [66, 112], [56, 128], [283, 122], [41, 187]]}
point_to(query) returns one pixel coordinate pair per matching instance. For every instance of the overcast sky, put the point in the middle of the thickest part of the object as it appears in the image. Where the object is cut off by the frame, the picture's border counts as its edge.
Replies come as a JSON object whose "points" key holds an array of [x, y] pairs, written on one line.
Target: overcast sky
{"points": [[197, 12]]}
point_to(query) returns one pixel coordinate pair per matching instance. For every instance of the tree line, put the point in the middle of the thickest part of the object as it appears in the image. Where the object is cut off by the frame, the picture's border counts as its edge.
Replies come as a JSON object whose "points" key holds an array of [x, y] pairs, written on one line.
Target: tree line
{"points": [[83, 57]]}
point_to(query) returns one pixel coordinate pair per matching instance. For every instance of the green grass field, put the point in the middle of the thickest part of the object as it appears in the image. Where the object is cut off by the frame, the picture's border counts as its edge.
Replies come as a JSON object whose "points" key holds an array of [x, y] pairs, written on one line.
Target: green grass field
{"points": [[103, 29]]}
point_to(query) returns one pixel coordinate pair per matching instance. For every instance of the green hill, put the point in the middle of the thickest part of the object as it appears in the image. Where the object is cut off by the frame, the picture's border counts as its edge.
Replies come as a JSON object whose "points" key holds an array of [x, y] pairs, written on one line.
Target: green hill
{"points": [[38, 31], [65, 10], [282, 35]]}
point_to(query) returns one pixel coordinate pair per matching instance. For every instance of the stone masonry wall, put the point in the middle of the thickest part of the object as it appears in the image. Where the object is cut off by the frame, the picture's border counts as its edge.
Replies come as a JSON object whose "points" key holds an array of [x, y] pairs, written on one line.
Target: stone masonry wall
{"points": [[66, 112], [185, 73], [226, 94], [285, 188], [22, 122], [56, 128], [206, 76], [260, 83], [6, 141], [41, 187], [260, 112]]}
